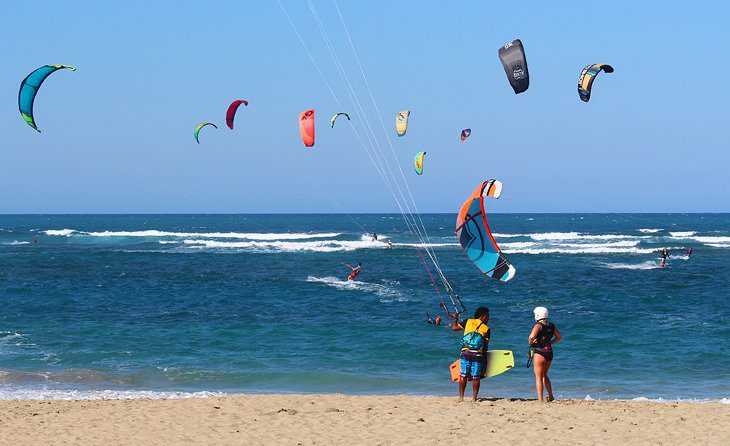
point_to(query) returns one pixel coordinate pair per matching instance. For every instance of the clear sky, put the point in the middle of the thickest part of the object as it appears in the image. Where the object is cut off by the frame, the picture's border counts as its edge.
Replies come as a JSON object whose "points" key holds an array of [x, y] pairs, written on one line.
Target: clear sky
{"points": [[118, 133]]}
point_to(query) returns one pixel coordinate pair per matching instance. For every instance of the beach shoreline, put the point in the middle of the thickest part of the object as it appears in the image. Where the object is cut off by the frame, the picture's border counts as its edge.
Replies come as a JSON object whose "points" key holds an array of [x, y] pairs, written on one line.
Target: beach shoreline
{"points": [[340, 419]]}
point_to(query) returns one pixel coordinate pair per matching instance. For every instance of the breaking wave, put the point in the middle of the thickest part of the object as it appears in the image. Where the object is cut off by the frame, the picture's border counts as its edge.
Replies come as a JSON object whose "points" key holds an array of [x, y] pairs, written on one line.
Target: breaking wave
{"points": [[232, 235], [284, 246], [650, 230]]}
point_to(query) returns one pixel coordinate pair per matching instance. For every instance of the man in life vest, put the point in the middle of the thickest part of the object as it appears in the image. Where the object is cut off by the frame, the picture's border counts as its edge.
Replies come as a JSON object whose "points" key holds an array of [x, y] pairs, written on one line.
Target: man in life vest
{"points": [[474, 346], [665, 255], [355, 271]]}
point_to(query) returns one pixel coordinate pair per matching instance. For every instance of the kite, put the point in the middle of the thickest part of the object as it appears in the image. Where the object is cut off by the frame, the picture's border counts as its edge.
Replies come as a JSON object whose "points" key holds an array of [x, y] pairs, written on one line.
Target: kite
{"points": [[465, 134], [514, 62], [29, 88], [200, 126], [306, 127], [418, 162], [587, 76], [231, 113], [401, 122], [472, 230], [334, 118]]}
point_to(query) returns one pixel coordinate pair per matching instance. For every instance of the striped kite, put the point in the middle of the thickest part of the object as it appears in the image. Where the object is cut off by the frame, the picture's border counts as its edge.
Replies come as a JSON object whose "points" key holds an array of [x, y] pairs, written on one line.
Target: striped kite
{"points": [[472, 230], [587, 76]]}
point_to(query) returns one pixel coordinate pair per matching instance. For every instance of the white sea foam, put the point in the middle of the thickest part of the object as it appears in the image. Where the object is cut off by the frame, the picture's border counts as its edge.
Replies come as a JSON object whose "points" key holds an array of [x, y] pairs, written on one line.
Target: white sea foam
{"points": [[712, 239], [63, 232], [650, 230], [500, 235], [50, 394], [719, 245], [683, 234], [555, 236], [231, 235], [517, 245], [282, 246], [356, 285], [581, 249], [564, 236], [649, 264], [619, 244], [17, 242], [426, 245]]}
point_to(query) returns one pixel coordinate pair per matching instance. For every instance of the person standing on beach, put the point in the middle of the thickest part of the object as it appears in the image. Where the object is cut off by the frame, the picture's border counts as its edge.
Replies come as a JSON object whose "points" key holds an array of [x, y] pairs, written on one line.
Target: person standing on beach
{"points": [[475, 343], [543, 336]]}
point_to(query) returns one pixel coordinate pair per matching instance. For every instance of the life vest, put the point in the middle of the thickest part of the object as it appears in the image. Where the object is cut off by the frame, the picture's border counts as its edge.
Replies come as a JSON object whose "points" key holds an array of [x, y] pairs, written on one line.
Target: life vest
{"points": [[353, 274], [475, 335], [542, 341]]}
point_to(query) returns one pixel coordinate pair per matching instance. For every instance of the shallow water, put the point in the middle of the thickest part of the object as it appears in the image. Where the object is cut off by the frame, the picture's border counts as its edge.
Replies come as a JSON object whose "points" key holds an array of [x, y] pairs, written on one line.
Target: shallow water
{"points": [[260, 303]]}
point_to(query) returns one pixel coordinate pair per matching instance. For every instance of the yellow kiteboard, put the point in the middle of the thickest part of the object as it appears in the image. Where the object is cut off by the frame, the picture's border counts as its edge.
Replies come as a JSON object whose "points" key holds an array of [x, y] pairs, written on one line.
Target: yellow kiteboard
{"points": [[498, 361]]}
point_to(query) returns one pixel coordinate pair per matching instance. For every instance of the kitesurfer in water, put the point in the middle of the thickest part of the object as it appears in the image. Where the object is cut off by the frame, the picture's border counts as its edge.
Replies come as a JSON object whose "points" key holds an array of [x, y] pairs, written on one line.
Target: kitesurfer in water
{"points": [[689, 252], [375, 237], [541, 339], [390, 244], [435, 321], [665, 255], [355, 271], [474, 345], [35, 240]]}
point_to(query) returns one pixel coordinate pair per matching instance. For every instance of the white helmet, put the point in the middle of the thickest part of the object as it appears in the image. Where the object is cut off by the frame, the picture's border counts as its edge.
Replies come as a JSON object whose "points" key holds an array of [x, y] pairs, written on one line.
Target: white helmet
{"points": [[540, 313]]}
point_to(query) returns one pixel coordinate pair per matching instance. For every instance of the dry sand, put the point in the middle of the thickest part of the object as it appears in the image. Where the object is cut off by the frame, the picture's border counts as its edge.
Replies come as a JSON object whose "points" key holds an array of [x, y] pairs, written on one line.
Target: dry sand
{"points": [[359, 420]]}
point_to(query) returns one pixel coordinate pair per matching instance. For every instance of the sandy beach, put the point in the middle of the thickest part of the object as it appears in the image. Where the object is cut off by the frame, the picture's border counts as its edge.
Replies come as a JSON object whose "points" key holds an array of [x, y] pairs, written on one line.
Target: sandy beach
{"points": [[366, 420]]}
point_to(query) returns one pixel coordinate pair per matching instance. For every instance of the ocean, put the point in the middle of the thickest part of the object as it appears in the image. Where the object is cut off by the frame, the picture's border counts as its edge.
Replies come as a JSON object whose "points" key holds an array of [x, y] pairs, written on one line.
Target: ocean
{"points": [[187, 305]]}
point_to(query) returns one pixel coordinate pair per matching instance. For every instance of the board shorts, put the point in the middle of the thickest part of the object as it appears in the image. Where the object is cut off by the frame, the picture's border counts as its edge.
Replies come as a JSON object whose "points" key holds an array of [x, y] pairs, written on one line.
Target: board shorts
{"points": [[472, 365]]}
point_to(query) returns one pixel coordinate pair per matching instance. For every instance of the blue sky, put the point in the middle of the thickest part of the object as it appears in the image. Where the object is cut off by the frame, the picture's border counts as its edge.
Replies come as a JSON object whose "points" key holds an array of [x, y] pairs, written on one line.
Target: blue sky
{"points": [[117, 133]]}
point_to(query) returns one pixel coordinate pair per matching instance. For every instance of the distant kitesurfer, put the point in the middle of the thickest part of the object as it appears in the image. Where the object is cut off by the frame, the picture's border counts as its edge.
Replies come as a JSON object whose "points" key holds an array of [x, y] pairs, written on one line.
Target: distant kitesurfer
{"points": [[390, 244], [355, 271], [541, 340], [665, 255], [435, 321], [689, 252], [35, 240], [474, 345], [375, 237]]}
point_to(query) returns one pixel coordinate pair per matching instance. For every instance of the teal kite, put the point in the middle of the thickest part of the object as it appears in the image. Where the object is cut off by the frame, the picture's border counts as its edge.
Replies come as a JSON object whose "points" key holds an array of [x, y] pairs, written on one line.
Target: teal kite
{"points": [[418, 162], [29, 89]]}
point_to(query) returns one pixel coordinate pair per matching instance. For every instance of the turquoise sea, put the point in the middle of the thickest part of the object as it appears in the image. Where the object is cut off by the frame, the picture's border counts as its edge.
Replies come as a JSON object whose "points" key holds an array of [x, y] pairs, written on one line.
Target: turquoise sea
{"points": [[180, 305]]}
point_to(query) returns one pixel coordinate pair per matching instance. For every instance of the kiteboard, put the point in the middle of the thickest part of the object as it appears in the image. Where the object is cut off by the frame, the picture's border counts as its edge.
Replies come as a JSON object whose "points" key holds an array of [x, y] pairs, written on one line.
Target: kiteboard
{"points": [[498, 361]]}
